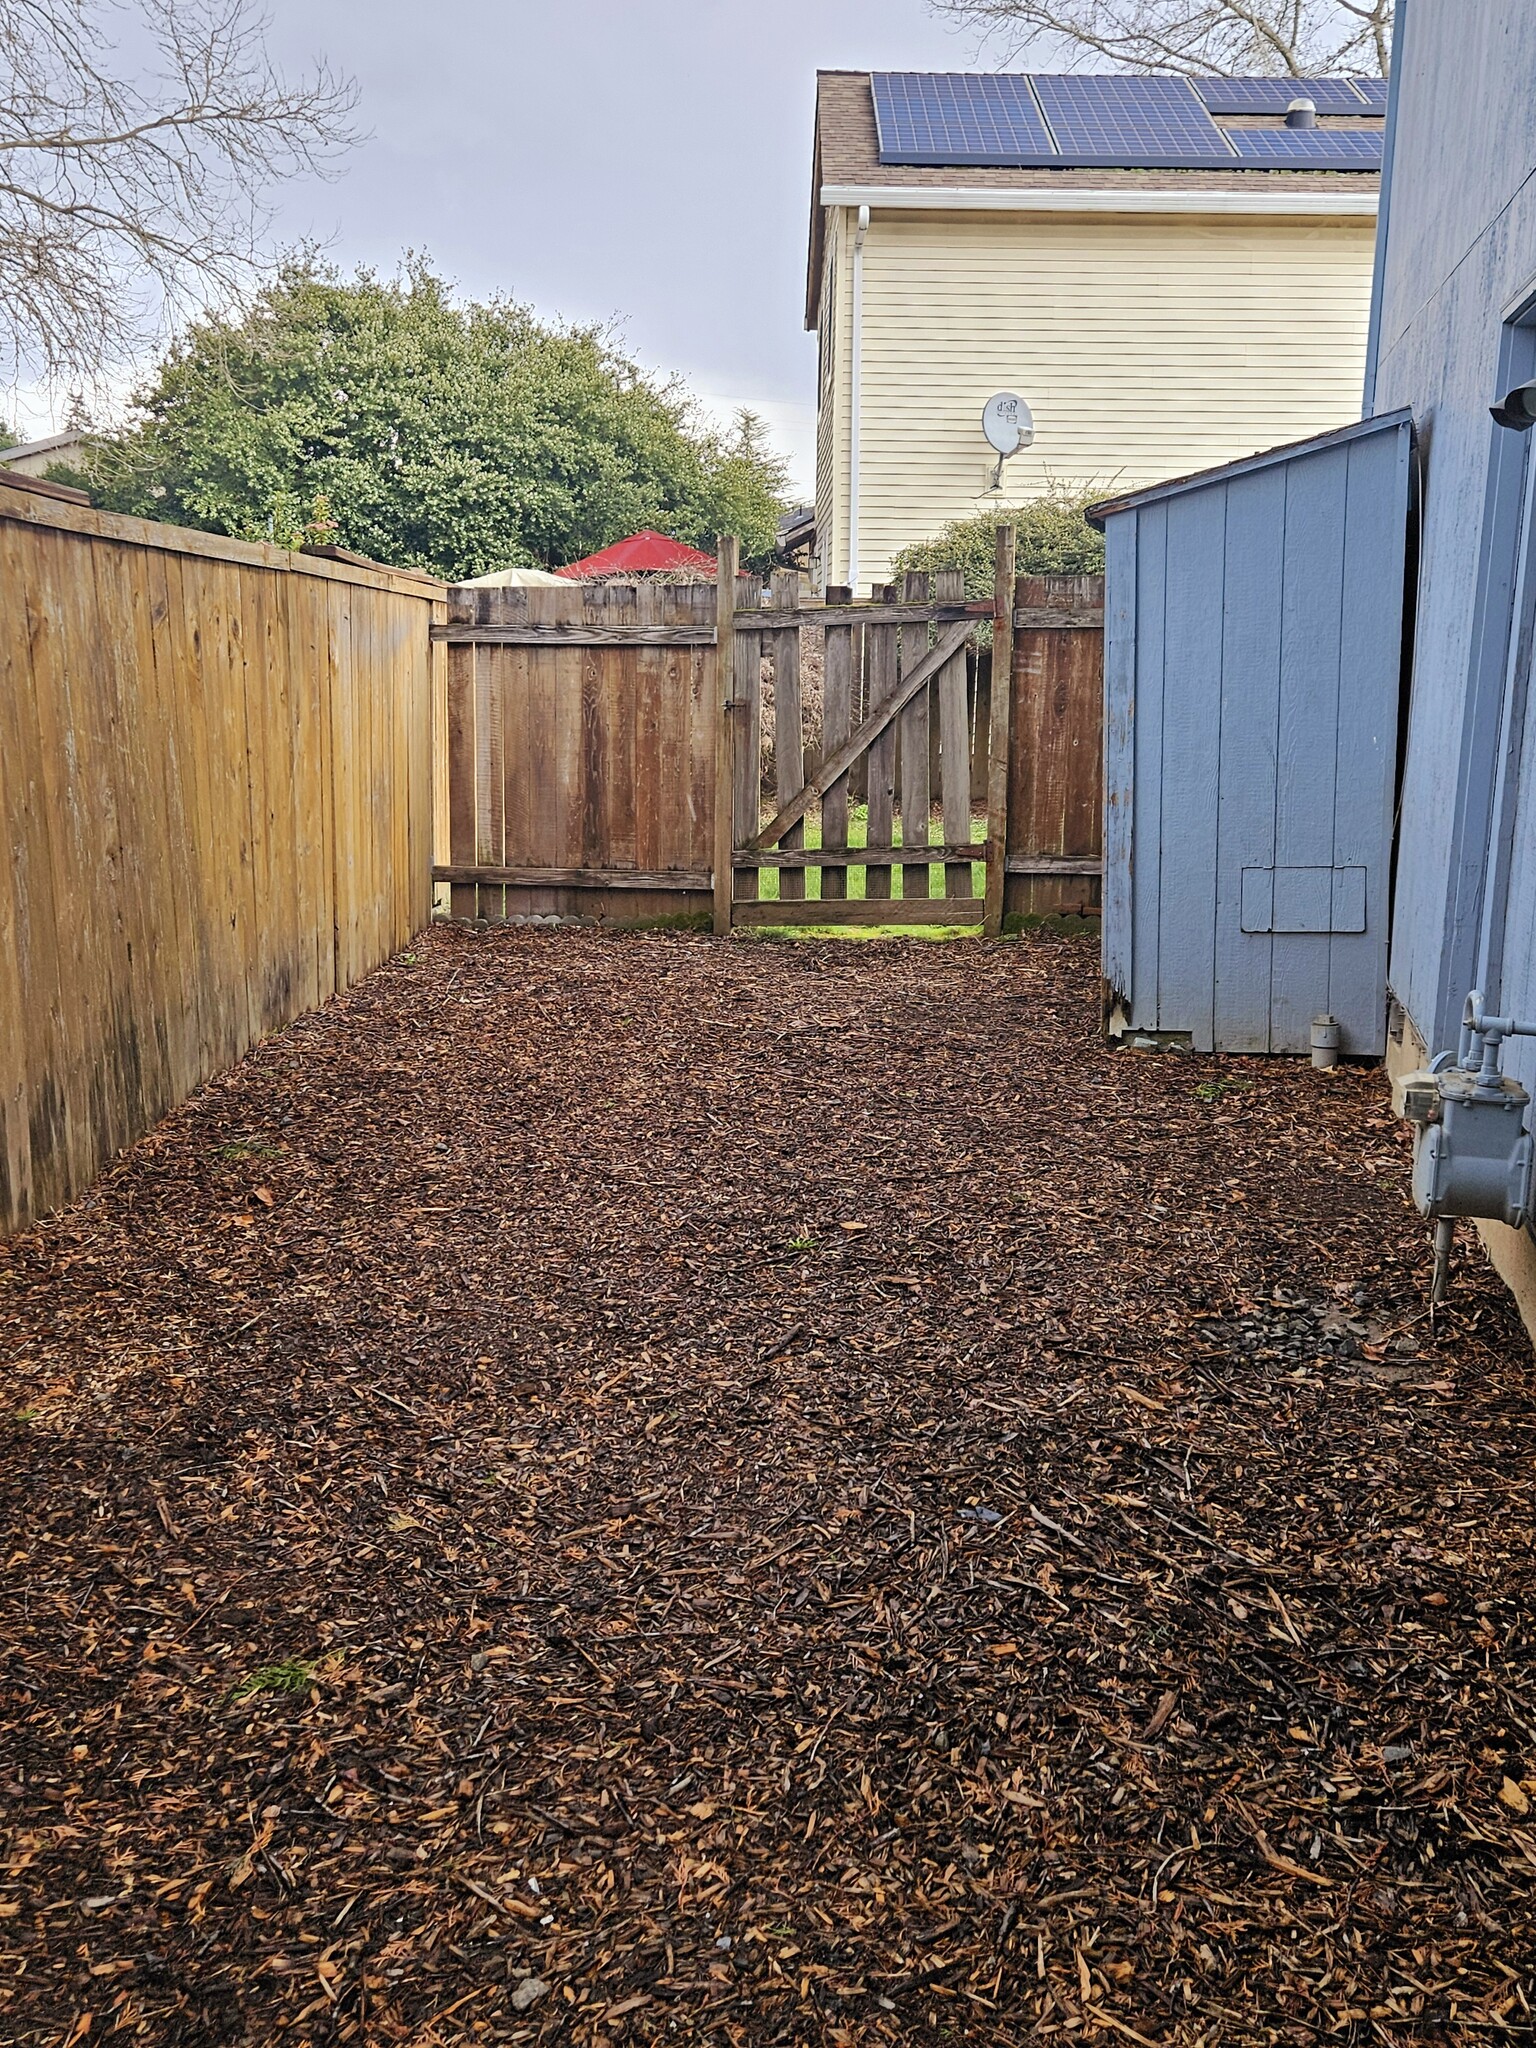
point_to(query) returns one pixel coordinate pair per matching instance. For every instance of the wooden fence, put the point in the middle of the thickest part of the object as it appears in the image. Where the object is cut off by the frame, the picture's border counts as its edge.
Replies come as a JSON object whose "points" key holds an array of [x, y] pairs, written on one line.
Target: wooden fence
{"points": [[603, 760], [580, 750], [215, 796], [1055, 747]]}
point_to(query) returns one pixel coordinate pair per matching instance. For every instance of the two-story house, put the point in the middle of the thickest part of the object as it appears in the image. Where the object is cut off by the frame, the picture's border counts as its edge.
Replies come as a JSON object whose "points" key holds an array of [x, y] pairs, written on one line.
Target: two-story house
{"points": [[1169, 272]]}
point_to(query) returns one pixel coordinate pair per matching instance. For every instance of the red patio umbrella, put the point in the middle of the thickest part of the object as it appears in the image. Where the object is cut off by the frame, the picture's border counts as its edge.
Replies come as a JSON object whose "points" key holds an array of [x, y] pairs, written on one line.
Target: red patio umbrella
{"points": [[643, 552]]}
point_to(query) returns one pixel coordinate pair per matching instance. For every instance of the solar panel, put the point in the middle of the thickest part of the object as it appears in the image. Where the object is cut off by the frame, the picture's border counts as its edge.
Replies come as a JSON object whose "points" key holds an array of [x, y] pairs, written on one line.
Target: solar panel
{"points": [[1323, 149], [1375, 91], [959, 117], [1154, 121], [1274, 95], [1064, 120]]}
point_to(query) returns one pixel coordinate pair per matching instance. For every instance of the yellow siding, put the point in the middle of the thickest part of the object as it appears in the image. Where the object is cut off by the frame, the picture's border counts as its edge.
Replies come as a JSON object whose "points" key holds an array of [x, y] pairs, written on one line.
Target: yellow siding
{"points": [[1147, 346]]}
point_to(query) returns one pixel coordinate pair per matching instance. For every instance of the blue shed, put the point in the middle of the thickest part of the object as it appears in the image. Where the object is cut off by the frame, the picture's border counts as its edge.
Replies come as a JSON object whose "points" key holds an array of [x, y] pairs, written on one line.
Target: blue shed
{"points": [[1253, 651]]}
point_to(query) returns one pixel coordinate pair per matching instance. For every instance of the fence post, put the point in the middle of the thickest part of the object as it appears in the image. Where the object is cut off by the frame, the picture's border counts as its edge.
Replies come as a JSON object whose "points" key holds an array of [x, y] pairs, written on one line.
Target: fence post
{"points": [[726, 557], [997, 737]]}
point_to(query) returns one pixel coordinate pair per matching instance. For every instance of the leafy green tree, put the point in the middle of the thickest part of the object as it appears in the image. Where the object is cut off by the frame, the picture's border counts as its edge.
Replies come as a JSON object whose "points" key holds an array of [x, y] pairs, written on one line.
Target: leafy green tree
{"points": [[7, 438], [421, 431], [1054, 539], [67, 473]]}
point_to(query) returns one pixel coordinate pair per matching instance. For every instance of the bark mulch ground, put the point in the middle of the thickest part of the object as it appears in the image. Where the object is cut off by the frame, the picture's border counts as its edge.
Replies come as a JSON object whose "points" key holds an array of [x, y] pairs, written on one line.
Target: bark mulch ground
{"points": [[632, 1489]]}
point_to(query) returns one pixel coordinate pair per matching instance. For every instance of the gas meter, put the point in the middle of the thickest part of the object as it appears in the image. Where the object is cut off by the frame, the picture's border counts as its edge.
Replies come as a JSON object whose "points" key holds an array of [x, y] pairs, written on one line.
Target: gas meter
{"points": [[1472, 1153]]}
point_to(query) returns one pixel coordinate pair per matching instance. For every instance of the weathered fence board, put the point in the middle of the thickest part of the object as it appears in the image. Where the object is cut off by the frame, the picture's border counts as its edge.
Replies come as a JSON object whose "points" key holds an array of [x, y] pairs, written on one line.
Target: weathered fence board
{"points": [[215, 806], [592, 742], [581, 729], [1055, 745]]}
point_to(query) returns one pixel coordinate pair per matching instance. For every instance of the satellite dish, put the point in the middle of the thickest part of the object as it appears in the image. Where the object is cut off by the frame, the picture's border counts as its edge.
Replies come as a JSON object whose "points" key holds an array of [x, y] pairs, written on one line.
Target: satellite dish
{"points": [[1007, 423]]}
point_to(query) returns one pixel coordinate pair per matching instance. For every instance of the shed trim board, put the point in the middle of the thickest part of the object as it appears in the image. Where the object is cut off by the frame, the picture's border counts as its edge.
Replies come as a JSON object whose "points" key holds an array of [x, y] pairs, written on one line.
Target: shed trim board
{"points": [[1092, 199], [1252, 671]]}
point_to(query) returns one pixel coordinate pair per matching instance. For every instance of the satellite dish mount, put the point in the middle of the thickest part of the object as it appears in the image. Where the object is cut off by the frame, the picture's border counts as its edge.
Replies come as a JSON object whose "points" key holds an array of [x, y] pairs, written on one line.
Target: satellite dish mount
{"points": [[1009, 426]]}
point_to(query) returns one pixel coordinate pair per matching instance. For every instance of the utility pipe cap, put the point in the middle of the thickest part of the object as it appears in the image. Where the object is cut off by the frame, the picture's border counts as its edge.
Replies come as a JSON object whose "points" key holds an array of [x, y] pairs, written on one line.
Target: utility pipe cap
{"points": [[1301, 114], [1517, 408], [1326, 1039]]}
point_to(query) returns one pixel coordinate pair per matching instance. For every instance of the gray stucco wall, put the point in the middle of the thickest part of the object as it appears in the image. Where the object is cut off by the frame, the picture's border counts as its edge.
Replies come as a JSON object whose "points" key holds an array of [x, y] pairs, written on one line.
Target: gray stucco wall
{"points": [[1459, 257]]}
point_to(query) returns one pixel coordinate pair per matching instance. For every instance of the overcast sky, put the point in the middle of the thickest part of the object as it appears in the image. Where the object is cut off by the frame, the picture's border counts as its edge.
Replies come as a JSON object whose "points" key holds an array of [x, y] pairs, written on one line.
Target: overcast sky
{"points": [[604, 159]]}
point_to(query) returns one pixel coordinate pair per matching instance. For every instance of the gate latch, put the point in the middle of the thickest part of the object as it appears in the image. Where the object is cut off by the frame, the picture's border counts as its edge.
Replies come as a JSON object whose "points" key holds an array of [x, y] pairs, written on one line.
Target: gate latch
{"points": [[1472, 1153]]}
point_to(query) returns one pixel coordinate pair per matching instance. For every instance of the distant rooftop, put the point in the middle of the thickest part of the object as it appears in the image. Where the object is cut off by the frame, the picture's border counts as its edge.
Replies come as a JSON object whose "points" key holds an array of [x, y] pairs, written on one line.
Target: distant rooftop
{"points": [[1121, 121], [51, 444]]}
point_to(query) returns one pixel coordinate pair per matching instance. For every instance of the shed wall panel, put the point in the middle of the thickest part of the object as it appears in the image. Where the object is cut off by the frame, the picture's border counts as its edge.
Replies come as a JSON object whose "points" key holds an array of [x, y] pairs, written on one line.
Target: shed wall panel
{"points": [[1151, 569], [1306, 751], [1250, 717], [1192, 689], [1265, 607], [1119, 750]]}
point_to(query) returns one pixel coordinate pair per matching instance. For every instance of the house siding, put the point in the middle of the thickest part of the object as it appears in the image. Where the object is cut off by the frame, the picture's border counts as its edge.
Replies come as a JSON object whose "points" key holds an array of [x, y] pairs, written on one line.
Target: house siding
{"points": [[1146, 345], [1458, 264], [1459, 255]]}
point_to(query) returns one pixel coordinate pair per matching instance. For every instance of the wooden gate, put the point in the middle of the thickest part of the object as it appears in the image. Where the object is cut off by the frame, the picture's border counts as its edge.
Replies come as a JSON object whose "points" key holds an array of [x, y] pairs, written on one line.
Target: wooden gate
{"points": [[998, 788], [605, 748]]}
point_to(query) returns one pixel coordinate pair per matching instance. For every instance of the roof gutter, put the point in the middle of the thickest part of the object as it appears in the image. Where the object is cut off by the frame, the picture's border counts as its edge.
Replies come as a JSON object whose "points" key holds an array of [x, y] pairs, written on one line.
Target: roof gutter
{"points": [[1354, 204]]}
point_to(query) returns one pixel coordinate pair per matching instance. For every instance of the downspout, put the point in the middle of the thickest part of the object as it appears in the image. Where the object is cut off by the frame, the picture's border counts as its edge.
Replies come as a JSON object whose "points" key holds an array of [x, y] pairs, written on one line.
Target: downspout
{"points": [[853, 406], [1383, 213]]}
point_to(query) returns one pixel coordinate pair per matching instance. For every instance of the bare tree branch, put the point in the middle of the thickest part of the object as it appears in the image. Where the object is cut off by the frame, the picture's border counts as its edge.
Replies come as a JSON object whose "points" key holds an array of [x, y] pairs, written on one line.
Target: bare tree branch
{"points": [[128, 200], [1227, 38]]}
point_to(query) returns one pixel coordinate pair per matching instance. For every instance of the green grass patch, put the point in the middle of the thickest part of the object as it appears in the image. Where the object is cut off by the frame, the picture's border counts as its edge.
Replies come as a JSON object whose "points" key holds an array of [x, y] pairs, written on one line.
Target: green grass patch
{"points": [[1224, 1084], [858, 835], [295, 1675]]}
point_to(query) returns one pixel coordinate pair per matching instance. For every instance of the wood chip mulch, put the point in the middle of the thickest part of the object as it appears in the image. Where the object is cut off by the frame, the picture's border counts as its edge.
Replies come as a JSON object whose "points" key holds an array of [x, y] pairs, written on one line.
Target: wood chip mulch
{"points": [[625, 1490]]}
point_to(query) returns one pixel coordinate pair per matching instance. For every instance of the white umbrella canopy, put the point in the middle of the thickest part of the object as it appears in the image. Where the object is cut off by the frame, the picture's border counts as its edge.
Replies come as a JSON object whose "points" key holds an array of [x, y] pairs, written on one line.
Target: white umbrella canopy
{"points": [[512, 579]]}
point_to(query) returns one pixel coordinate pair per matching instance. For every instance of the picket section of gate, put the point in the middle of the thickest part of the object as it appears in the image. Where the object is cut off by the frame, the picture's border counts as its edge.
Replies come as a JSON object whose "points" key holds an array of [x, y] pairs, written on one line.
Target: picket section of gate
{"points": [[606, 751], [894, 672]]}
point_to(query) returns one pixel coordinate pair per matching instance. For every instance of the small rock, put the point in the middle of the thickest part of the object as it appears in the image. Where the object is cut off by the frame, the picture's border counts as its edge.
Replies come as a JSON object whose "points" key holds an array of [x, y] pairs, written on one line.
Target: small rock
{"points": [[529, 1992], [987, 1517]]}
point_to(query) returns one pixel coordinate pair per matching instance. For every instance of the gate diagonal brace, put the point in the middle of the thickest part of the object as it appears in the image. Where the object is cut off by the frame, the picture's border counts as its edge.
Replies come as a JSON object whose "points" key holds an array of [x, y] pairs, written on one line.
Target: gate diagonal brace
{"points": [[949, 642]]}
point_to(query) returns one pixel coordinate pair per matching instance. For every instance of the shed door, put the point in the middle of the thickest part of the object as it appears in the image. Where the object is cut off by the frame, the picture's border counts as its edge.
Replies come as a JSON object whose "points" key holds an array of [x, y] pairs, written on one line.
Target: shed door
{"points": [[1258, 761]]}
